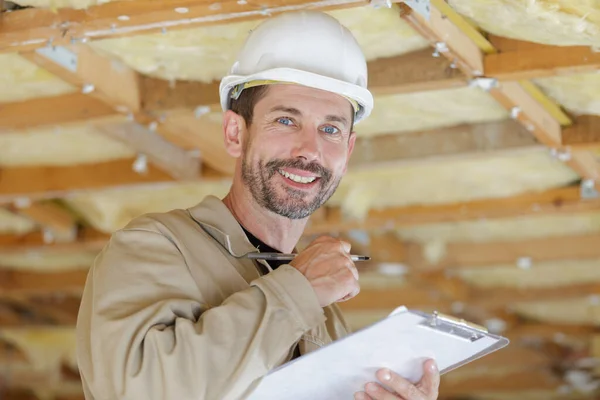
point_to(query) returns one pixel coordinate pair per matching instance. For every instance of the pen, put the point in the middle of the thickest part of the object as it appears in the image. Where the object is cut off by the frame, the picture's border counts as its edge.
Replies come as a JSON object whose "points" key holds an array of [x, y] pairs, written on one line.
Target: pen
{"points": [[284, 257]]}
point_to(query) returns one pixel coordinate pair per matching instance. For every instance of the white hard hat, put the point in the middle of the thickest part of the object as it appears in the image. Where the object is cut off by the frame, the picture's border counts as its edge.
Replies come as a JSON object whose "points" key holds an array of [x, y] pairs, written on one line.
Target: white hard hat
{"points": [[308, 48]]}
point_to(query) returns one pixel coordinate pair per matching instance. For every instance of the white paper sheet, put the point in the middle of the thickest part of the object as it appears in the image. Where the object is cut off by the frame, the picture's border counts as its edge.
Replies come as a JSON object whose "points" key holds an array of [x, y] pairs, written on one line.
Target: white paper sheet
{"points": [[342, 368]]}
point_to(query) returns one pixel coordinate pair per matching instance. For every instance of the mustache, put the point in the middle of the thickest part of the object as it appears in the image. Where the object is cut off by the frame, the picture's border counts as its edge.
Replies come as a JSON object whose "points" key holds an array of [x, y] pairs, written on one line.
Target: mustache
{"points": [[274, 165]]}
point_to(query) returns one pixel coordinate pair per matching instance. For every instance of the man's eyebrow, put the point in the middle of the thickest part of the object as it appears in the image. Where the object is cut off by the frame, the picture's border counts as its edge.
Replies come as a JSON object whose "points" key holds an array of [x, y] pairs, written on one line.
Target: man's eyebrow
{"points": [[288, 110], [337, 118]]}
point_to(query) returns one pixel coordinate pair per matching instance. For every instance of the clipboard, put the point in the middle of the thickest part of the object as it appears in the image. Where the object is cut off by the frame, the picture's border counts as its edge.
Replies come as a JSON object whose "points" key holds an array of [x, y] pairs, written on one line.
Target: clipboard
{"points": [[401, 342]]}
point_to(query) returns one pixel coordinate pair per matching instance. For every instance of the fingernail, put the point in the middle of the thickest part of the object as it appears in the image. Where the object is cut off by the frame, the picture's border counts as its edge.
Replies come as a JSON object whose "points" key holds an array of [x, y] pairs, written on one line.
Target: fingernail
{"points": [[359, 396], [433, 366], [386, 375], [371, 387]]}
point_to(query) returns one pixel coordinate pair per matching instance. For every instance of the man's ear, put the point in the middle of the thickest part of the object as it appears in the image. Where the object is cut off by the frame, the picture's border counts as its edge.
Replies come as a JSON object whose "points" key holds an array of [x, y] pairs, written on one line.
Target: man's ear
{"points": [[234, 129], [351, 141]]}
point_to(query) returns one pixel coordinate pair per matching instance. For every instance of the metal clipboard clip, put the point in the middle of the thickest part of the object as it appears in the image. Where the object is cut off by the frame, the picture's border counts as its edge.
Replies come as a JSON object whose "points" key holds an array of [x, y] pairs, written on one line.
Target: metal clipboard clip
{"points": [[454, 326]]}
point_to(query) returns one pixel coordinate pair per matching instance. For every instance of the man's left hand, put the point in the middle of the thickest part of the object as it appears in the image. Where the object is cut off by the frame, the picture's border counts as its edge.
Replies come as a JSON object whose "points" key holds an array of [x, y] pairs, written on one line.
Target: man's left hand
{"points": [[402, 389]]}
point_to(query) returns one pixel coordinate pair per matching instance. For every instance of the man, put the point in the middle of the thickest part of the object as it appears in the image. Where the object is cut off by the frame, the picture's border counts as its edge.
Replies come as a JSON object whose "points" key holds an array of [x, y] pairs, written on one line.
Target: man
{"points": [[173, 308]]}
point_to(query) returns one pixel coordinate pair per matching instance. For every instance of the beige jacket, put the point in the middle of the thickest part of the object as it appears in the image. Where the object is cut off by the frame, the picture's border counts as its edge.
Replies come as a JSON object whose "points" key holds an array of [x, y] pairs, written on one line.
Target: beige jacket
{"points": [[169, 311]]}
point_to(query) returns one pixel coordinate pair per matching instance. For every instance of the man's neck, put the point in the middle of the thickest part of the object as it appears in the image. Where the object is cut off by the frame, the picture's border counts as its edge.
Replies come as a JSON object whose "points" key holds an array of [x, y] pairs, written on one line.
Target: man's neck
{"points": [[274, 230]]}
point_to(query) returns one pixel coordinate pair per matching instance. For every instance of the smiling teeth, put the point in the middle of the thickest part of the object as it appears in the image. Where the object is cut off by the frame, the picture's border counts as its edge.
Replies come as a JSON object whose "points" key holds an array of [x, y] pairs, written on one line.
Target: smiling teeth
{"points": [[296, 178]]}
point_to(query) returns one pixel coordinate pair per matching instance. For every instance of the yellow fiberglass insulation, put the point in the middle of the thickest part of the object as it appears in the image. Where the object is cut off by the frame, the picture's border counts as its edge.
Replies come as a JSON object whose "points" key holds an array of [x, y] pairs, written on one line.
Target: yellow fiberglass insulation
{"points": [[553, 22], [206, 53], [579, 93], [23, 80]]}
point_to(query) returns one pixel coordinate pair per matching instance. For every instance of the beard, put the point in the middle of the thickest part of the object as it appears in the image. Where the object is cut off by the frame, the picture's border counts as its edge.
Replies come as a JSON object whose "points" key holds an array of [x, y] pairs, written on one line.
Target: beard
{"points": [[294, 203]]}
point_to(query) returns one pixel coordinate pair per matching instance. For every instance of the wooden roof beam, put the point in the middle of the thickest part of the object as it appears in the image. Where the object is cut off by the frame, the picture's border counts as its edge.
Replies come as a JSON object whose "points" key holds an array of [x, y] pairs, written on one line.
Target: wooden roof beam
{"points": [[55, 220], [430, 297], [33, 28], [456, 255], [179, 163], [555, 201], [87, 239], [457, 40], [518, 60], [107, 79], [53, 182], [468, 140]]}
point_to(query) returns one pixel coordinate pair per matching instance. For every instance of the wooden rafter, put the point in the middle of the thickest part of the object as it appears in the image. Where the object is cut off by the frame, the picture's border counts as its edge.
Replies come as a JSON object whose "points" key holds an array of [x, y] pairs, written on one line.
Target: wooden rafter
{"points": [[165, 155], [52, 111], [468, 140], [58, 221], [526, 60], [430, 297], [29, 29], [556, 201], [87, 239], [456, 255], [101, 77], [468, 48], [54, 182]]}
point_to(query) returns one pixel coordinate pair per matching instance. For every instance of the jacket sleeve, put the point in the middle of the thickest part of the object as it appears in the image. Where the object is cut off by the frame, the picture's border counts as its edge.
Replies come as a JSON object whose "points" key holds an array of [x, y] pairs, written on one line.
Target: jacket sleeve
{"points": [[145, 331]]}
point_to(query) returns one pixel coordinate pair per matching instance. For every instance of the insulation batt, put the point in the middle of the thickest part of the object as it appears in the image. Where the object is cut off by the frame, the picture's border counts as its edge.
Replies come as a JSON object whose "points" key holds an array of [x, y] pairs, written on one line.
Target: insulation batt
{"points": [[206, 53], [554, 22], [59, 146], [23, 80], [579, 93]]}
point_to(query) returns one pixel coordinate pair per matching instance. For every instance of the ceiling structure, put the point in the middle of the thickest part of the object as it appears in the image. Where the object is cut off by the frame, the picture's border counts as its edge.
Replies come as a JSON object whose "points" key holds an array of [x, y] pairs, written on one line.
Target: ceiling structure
{"points": [[473, 185]]}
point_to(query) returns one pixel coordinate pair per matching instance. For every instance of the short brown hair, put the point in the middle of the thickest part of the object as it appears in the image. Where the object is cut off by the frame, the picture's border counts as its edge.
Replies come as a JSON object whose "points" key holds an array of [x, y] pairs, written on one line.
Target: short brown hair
{"points": [[245, 103]]}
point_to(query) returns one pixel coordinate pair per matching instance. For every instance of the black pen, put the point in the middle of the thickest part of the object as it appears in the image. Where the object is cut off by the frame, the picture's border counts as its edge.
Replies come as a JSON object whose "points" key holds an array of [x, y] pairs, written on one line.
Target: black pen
{"points": [[285, 257]]}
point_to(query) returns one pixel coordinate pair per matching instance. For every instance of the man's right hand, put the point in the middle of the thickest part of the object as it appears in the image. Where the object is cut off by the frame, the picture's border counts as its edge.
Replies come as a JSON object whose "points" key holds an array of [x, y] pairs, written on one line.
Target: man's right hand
{"points": [[327, 265]]}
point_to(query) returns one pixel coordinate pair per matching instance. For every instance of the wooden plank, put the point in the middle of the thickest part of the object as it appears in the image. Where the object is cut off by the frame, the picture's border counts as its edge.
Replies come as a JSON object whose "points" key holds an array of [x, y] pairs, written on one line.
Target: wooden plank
{"points": [[528, 112], [541, 61], [469, 140], [29, 29], [159, 95], [47, 182], [447, 37], [413, 72], [87, 239], [51, 216], [39, 283], [583, 133], [168, 157], [68, 108], [203, 133], [107, 79], [555, 201], [474, 254], [428, 297]]}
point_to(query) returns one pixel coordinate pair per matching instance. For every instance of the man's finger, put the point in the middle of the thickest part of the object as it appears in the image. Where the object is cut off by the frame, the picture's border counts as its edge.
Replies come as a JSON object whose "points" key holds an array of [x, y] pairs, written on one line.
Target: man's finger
{"points": [[403, 387], [377, 392], [345, 246], [431, 379], [362, 396]]}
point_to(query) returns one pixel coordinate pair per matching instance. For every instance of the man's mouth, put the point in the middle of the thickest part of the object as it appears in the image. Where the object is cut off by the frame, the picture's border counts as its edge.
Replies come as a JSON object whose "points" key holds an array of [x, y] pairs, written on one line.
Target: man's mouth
{"points": [[297, 178]]}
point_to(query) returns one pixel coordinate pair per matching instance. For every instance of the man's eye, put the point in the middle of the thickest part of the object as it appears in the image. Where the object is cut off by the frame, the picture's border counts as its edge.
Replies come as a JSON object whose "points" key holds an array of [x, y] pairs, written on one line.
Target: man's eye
{"points": [[330, 130], [285, 121]]}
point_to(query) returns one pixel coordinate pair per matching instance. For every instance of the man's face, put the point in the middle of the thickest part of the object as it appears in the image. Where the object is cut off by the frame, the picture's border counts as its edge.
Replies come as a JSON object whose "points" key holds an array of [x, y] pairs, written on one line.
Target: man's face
{"points": [[297, 149]]}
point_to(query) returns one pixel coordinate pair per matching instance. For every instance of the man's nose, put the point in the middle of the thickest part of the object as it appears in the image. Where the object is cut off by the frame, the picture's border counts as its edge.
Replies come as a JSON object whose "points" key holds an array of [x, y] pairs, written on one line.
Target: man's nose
{"points": [[307, 145]]}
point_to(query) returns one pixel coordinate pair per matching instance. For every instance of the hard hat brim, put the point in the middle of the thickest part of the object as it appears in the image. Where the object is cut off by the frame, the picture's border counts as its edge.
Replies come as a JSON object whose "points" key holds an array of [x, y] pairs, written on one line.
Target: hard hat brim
{"points": [[359, 94]]}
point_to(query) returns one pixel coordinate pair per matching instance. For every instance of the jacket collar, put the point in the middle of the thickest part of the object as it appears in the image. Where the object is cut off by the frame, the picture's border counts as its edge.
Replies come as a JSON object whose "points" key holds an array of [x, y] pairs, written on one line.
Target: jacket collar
{"points": [[217, 220]]}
